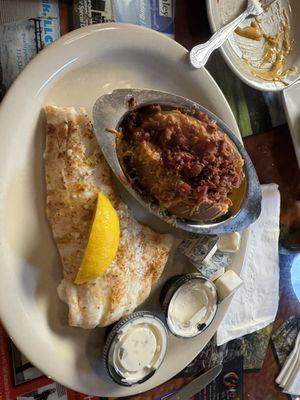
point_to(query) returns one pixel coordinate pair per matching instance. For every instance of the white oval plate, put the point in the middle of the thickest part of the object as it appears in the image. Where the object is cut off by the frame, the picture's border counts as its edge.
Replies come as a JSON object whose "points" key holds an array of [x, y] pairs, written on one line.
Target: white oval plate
{"points": [[222, 11], [76, 70]]}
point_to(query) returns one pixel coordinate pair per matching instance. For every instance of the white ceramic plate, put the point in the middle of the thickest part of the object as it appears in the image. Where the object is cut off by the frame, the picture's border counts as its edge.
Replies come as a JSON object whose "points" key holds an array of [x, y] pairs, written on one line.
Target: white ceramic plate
{"points": [[291, 101], [223, 11], [75, 70]]}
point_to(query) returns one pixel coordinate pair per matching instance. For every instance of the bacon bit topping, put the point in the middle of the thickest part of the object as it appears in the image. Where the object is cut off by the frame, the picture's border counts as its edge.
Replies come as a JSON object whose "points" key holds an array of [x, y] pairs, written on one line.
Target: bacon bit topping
{"points": [[186, 187], [132, 102], [201, 116], [193, 156], [168, 132], [202, 192]]}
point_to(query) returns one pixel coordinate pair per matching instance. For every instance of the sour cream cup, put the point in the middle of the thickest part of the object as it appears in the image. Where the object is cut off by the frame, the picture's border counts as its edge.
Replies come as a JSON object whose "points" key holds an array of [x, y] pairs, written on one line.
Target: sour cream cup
{"points": [[135, 348], [190, 304]]}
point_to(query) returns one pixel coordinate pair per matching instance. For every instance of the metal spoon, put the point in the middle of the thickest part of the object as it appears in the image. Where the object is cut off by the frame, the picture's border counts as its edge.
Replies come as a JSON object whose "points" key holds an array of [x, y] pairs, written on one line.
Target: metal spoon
{"points": [[200, 54]]}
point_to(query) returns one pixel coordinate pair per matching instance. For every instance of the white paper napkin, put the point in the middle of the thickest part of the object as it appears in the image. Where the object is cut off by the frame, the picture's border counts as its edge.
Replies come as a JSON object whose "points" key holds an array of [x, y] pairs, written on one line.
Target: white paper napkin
{"points": [[289, 377], [255, 304]]}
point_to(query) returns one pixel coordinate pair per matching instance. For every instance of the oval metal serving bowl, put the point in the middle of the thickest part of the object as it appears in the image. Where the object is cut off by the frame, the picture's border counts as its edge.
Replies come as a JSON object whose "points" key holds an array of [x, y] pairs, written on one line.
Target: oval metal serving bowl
{"points": [[109, 111]]}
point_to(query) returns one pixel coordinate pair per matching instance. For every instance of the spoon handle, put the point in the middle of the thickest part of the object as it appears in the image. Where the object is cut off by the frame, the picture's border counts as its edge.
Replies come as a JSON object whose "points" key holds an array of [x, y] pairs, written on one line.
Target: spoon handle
{"points": [[200, 54]]}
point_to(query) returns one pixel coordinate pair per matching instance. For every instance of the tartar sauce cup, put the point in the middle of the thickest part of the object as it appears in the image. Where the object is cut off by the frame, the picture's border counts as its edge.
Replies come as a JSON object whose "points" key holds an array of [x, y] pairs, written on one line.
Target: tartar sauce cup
{"points": [[190, 304], [135, 348]]}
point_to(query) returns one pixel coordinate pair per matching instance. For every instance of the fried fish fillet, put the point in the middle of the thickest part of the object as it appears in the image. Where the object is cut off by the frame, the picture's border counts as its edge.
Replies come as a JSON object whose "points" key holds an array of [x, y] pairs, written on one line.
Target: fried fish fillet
{"points": [[75, 172]]}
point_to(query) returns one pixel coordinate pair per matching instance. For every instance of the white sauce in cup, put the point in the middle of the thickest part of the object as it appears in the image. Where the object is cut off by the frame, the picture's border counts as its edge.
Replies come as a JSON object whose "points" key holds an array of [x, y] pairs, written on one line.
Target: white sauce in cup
{"points": [[192, 307], [136, 348]]}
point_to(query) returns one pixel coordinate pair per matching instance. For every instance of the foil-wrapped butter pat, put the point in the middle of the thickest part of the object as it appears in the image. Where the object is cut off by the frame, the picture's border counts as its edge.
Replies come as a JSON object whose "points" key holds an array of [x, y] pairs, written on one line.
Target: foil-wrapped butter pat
{"points": [[215, 266], [227, 284], [199, 248], [229, 242], [210, 271], [219, 260]]}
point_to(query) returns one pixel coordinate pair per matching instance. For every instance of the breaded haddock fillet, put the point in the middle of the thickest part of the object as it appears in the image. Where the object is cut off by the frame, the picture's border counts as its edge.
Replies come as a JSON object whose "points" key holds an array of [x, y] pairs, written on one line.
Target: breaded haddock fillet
{"points": [[75, 172]]}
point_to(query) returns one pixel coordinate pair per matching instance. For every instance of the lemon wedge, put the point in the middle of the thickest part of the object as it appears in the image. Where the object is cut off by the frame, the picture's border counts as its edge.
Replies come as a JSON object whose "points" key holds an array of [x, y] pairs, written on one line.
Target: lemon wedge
{"points": [[102, 244]]}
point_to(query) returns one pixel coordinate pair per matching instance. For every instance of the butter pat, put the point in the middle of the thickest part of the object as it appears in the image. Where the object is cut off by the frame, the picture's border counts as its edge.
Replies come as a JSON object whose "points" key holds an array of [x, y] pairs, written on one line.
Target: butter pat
{"points": [[217, 274], [211, 271], [215, 266], [227, 284], [229, 242], [199, 248]]}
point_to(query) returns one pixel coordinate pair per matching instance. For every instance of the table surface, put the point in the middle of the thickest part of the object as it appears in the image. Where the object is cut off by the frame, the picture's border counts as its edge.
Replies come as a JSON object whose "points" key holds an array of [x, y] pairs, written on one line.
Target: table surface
{"points": [[273, 156]]}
